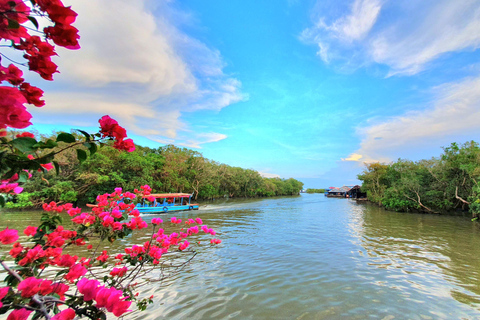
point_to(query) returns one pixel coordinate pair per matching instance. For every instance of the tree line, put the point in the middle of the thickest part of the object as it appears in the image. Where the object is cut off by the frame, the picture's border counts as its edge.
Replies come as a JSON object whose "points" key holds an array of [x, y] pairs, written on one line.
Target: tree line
{"points": [[444, 184], [165, 169], [312, 190]]}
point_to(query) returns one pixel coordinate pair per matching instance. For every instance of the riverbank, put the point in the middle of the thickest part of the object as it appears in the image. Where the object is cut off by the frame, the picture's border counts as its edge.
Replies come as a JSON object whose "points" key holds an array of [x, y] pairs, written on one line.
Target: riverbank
{"points": [[168, 169], [441, 185]]}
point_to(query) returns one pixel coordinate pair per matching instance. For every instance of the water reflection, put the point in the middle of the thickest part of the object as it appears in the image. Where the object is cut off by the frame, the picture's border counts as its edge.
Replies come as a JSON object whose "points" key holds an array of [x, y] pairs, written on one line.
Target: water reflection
{"points": [[428, 259]]}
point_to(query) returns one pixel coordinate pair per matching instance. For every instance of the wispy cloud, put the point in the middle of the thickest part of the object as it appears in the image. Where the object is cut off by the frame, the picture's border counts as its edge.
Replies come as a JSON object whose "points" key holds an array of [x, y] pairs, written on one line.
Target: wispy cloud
{"points": [[357, 24], [202, 138], [411, 43], [454, 112], [347, 29], [405, 36], [137, 66]]}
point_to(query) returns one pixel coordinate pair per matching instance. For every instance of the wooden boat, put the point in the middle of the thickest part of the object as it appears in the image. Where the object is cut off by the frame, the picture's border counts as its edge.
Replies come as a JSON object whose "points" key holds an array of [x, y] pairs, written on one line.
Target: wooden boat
{"points": [[164, 203], [167, 202]]}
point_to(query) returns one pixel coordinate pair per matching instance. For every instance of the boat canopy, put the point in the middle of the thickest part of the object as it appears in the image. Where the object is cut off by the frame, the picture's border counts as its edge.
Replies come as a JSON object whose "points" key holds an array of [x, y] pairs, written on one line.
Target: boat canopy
{"points": [[169, 195]]}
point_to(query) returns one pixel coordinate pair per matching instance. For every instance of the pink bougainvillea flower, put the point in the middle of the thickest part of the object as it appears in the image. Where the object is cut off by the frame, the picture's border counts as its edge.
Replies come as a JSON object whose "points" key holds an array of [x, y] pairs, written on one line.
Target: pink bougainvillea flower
{"points": [[32, 94], [45, 287], [67, 260], [25, 134], [19, 314], [29, 287], [32, 254], [103, 257], [125, 145], [47, 166], [68, 314], [13, 11], [60, 289], [157, 221], [30, 231], [118, 272], [107, 125], [11, 188], [42, 65], [88, 288], [193, 230], [3, 293], [183, 245], [63, 35], [12, 110], [75, 272], [175, 220], [8, 236], [11, 74], [199, 221], [74, 211], [16, 250], [215, 241], [120, 307], [60, 14], [113, 300]]}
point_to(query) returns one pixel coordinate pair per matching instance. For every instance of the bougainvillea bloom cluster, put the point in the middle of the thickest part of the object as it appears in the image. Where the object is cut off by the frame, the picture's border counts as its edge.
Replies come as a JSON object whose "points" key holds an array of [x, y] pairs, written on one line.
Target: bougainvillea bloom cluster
{"points": [[111, 129], [17, 20], [76, 285]]}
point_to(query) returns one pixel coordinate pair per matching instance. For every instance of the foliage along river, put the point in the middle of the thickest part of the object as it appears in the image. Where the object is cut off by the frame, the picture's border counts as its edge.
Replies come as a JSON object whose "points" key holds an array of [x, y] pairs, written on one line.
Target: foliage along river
{"points": [[311, 257]]}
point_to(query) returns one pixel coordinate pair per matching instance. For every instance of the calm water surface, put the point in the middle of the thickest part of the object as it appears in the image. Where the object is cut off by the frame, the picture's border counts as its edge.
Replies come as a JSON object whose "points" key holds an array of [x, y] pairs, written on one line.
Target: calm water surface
{"points": [[311, 257]]}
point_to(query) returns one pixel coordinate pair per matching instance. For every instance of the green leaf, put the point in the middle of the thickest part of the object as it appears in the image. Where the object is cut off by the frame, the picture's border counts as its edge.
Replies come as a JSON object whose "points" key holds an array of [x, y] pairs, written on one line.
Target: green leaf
{"points": [[50, 144], [66, 137], [24, 144], [13, 24], [91, 146], [22, 177], [2, 201], [57, 167], [34, 21], [81, 155], [87, 135], [44, 145]]}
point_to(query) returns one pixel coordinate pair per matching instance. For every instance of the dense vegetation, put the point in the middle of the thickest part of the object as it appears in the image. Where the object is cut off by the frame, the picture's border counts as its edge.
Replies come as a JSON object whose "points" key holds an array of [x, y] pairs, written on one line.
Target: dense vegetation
{"points": [[165, 169], [444, 184], [311, 190]]}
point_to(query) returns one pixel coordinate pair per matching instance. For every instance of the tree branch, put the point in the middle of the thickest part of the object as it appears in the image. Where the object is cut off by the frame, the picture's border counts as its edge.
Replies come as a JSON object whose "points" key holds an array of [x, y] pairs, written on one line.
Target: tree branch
{"points": [[456, 196], [420, 203]]}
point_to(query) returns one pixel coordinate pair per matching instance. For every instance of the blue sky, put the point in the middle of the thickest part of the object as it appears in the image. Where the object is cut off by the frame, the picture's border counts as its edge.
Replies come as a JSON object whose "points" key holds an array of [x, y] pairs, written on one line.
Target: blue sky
{"points": [[304, 89]]}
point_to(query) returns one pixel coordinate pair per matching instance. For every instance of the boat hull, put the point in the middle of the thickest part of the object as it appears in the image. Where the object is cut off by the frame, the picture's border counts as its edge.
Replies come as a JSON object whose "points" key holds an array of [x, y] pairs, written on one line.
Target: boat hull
{"points": [[166, 209]]}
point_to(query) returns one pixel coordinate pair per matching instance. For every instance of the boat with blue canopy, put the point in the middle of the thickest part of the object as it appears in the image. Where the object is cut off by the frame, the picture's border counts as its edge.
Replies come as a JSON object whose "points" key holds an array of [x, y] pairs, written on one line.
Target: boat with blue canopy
{"points": [[166, 202]]}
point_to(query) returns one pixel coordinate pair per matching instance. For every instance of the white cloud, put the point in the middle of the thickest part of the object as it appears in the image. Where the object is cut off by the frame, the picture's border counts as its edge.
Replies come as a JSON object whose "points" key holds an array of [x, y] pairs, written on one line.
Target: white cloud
{"points": [[353, 157], [358, 23], [137, 66], [454, 112], [202, 138], [269, 175], [349, 28], [405, 36], [446, 26], [124, 46]]}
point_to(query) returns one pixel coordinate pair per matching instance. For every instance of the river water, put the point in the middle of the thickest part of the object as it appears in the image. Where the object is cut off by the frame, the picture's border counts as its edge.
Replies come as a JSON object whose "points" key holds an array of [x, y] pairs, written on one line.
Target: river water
{"points": [[312, 257]]}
